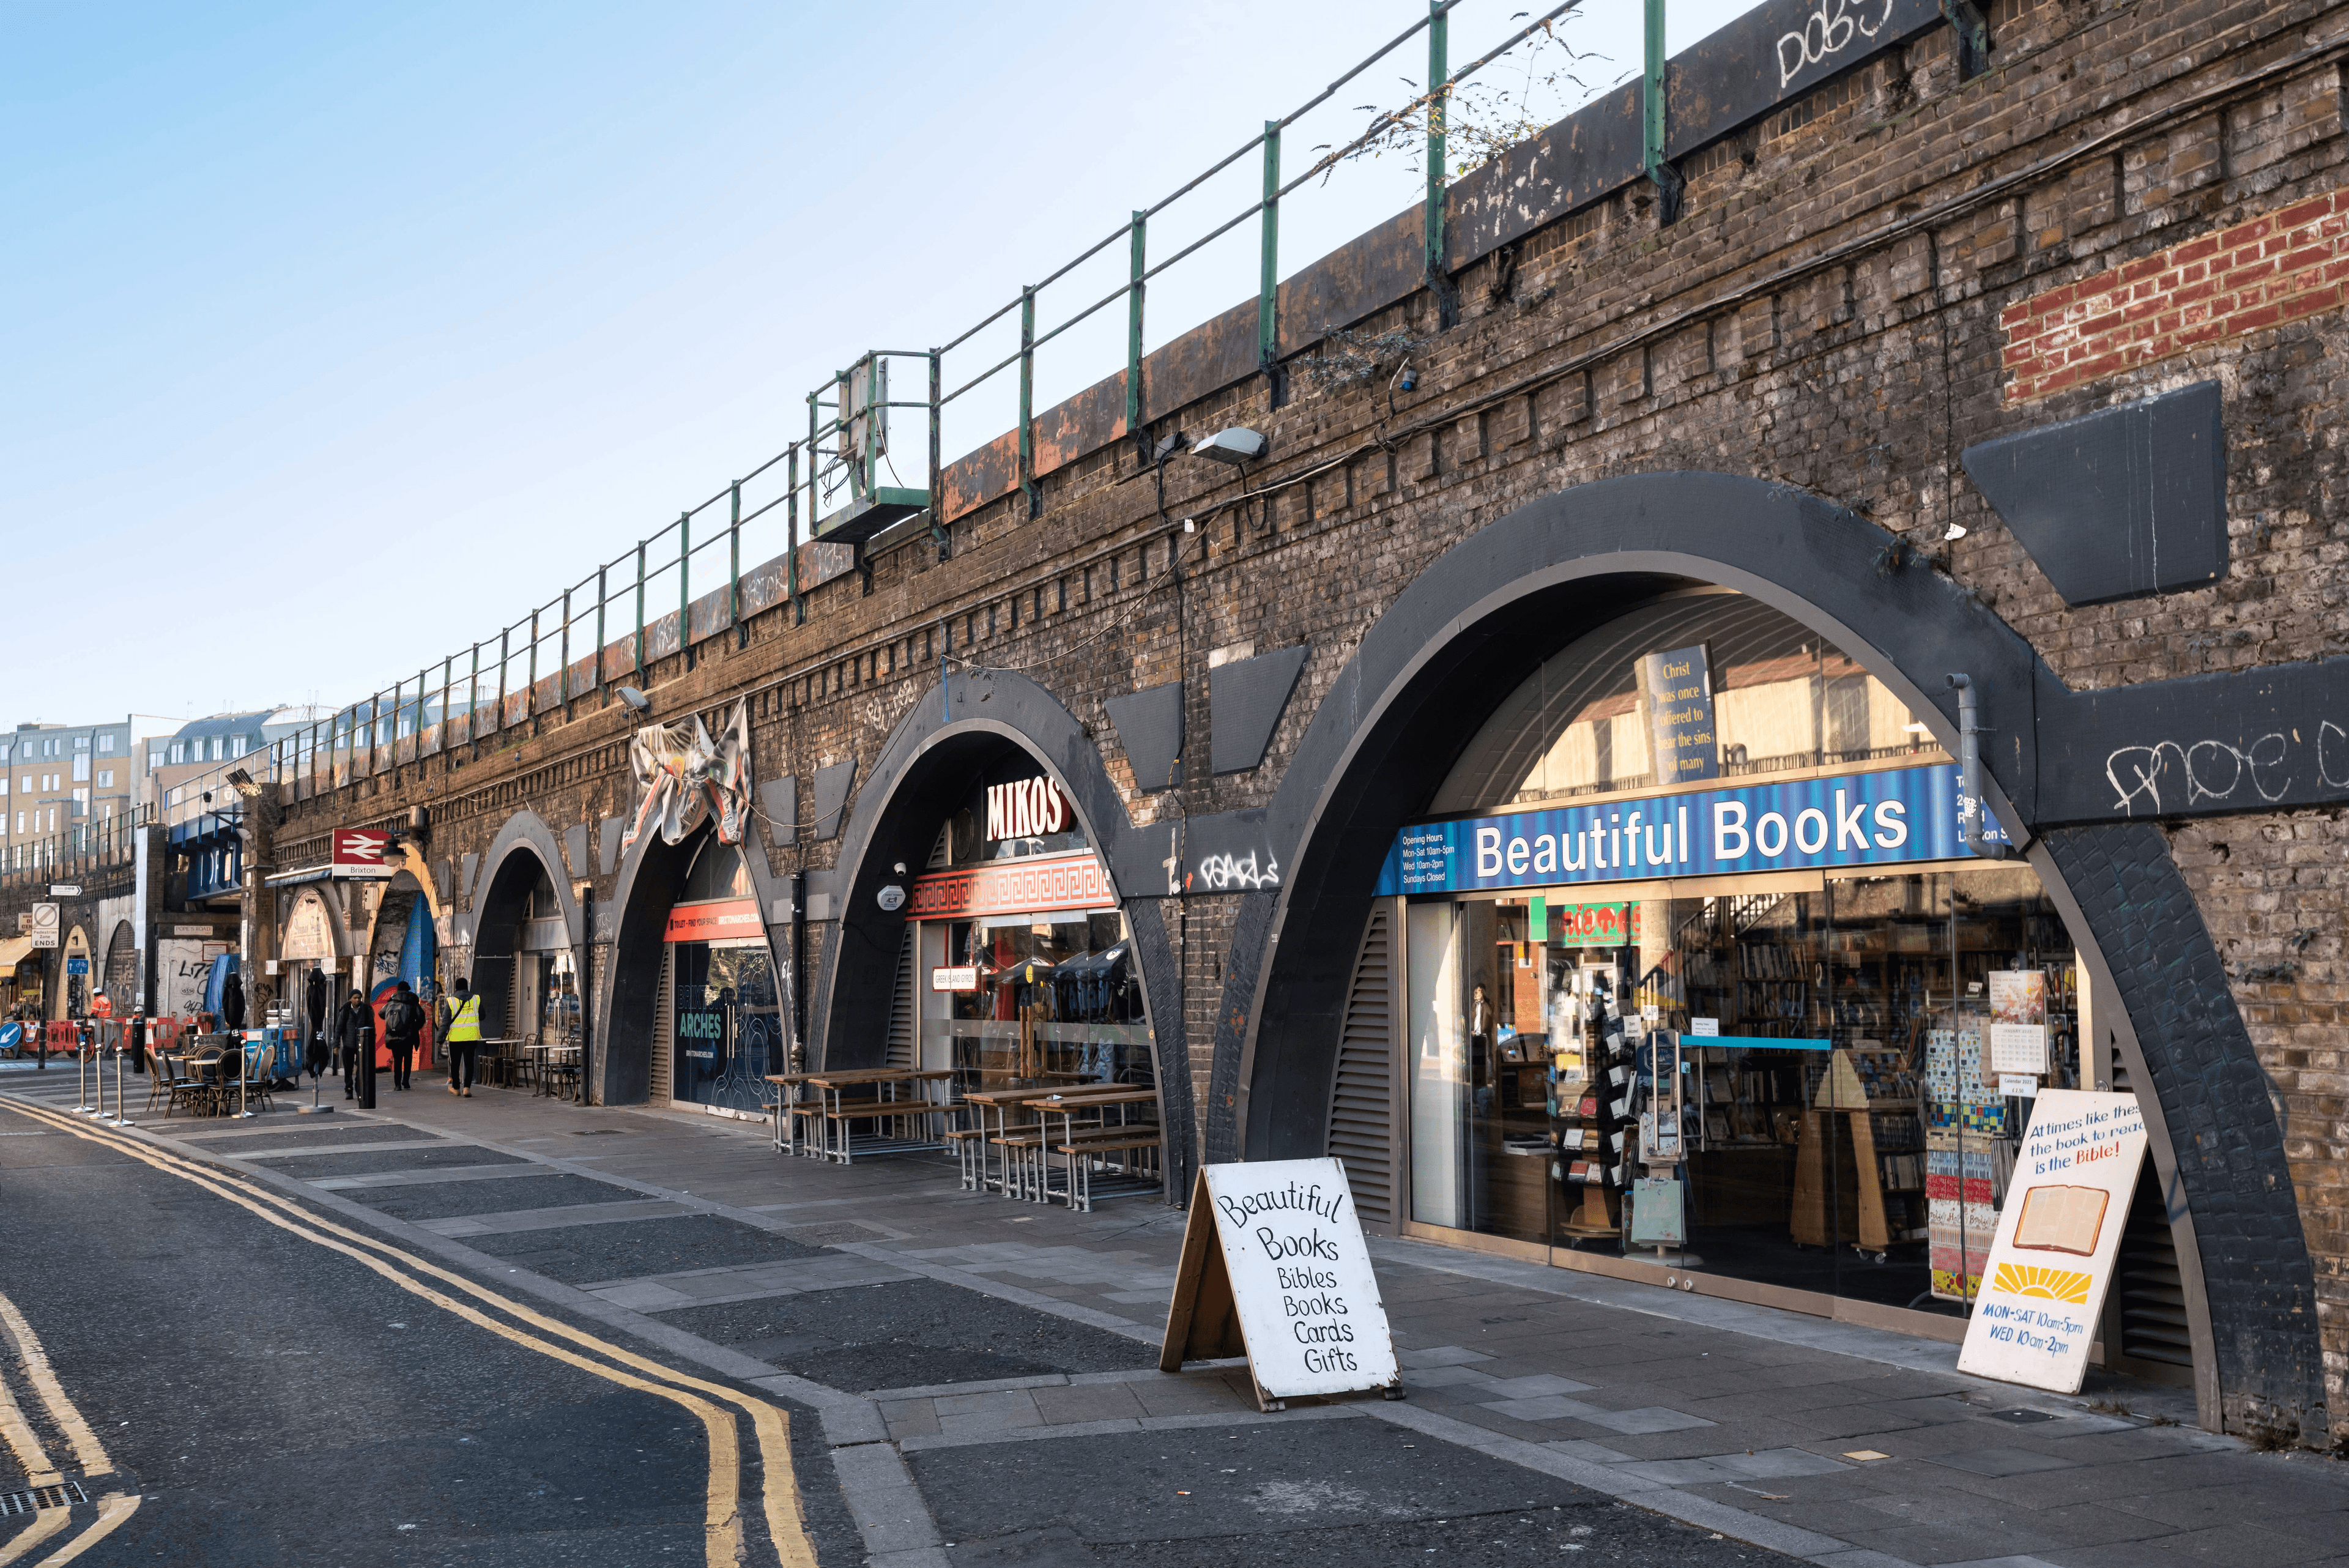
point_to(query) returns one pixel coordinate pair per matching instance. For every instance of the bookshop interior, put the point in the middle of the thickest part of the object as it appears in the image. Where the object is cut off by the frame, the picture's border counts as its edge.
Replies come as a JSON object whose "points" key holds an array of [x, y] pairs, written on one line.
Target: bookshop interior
{"points": [[1814, 1079]]}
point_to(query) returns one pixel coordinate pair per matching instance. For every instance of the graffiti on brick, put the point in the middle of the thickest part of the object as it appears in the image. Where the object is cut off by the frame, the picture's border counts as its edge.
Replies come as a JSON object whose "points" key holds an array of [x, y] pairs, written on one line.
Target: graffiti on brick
{"points": [[1827, 31], [1222, 873], [2175, 776]]}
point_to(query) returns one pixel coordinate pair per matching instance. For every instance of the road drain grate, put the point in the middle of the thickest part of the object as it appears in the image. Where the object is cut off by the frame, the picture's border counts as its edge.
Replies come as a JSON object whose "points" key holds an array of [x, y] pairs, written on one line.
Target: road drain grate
{"points": [[64, 1495]]}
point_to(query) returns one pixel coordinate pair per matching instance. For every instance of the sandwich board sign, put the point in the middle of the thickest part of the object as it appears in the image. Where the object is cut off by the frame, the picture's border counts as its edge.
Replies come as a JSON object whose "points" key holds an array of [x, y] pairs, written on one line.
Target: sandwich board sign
{"points": [[1275, 1269], [2053, 1257]]}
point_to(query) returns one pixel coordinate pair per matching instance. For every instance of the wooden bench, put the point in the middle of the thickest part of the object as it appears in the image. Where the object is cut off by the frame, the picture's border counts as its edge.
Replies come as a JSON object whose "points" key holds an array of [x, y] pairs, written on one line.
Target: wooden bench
{"points": [[1084, 1148]]}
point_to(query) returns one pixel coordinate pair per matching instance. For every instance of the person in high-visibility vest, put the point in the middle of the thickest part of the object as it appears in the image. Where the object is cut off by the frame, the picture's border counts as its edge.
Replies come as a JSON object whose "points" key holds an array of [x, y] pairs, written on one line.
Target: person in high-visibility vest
{"points": [[461, 1026]]}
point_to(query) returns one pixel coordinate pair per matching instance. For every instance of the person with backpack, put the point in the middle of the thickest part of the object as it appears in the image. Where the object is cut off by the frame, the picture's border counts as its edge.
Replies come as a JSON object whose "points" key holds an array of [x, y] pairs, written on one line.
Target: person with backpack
{"points": [[403, 1030], [355, 1041], [460, 1029]]}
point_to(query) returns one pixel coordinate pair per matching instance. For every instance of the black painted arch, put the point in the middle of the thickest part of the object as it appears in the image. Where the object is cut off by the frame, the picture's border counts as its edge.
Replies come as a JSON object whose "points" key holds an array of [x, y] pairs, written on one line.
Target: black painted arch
{"points": [[919, 777], [1397, 715]]}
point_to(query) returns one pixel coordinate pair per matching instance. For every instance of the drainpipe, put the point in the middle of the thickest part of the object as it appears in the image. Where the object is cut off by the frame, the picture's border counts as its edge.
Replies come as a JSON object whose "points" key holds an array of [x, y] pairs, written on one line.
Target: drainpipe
{"points": [[1970, 783], [585, 981], [798, 971]]}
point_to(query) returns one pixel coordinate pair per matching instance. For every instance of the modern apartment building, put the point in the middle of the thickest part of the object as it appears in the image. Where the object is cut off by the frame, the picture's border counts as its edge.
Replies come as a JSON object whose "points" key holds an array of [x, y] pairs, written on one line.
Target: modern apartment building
{"points": [[62, 781]]}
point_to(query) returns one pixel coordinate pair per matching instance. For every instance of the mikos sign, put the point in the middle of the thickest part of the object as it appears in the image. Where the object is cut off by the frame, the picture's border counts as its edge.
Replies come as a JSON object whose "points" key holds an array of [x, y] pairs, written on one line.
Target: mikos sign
{"points": [[1028, 808]]}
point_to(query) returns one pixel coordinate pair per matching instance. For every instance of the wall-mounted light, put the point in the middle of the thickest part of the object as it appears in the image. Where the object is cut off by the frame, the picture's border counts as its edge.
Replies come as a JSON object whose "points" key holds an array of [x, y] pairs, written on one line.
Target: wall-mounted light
{"points": [[1237, 445], [635, 699]]}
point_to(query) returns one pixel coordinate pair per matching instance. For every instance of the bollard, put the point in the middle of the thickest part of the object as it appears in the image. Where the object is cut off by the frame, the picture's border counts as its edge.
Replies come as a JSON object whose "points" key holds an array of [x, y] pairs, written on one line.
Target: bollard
{"points": [[122, 1116], [81, 1083], [243, 1076]]}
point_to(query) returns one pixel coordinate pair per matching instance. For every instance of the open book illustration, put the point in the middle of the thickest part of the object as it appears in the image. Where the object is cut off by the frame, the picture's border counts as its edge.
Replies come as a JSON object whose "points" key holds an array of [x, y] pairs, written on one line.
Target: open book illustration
{"points": [[2062, 1219]]}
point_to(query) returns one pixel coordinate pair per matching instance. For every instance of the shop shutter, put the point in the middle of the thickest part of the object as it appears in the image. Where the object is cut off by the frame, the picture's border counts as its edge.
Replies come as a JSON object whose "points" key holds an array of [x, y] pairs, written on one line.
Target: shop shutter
{"points": [[905, 1011], [2153, 1295], [1361, 1110], [660, 1091]]}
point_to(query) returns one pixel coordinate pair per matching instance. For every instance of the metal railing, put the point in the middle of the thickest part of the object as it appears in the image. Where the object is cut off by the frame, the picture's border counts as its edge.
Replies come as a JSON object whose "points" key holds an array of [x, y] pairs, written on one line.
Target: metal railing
{"points": [[616, 619], [73, 853]]}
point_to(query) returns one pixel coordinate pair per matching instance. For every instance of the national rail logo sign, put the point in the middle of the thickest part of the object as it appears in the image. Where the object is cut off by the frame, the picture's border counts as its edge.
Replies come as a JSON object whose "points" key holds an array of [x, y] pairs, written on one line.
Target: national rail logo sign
{"points": [[360, 851]]}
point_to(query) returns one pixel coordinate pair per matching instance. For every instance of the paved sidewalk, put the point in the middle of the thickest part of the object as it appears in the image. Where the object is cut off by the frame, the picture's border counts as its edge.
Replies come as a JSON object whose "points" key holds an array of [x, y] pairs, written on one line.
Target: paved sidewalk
{"points": [[1840, 1444]]}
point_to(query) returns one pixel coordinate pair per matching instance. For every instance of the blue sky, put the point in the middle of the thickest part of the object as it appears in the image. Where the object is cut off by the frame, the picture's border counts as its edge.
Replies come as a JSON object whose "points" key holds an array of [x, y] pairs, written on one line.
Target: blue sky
{"points": [[339, 336]]}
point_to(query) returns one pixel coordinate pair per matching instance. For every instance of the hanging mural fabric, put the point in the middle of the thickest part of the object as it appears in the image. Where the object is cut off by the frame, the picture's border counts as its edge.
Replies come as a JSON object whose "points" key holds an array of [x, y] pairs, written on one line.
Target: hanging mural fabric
{"points": [[684, 778]]}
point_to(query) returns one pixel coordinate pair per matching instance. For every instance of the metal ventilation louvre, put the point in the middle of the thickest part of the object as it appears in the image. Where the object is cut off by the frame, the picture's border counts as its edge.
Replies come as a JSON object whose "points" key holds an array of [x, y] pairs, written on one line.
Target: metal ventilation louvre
{"points": [[2153, 1322], [662, 1091], [1360, 1113], [904, 1013]]}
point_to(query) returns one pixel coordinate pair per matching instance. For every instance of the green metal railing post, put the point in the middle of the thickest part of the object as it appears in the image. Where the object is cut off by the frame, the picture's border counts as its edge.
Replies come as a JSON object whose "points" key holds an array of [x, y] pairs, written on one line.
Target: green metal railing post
{"points": [[1267, 297], [640, 612], [603, 586], [938, 531], [1439, 99], [1028, 402], [734, 565], [792, 538], [684, 582], [869, 464], [1655, 120], [1136, 286], [530, 697], [1973, 36], [563, 684], [505, 659], [473, 703], [448, 668]]}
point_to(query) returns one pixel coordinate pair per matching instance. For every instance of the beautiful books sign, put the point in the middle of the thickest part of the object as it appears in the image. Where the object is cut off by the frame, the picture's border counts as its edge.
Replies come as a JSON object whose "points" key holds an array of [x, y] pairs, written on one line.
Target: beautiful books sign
{"points": [[2058, 1235]]}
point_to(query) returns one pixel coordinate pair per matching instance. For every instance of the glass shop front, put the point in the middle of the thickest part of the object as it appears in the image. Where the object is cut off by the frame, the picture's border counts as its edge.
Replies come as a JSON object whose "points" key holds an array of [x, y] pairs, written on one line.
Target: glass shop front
{"points": [[1019, 965], [724, 1022], [1699, 972]]}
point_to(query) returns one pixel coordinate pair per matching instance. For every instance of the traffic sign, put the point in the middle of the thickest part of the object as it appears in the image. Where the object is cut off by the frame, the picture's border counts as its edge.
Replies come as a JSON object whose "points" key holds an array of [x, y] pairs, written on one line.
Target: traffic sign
{"points": [[44, 925], [65, 889]]}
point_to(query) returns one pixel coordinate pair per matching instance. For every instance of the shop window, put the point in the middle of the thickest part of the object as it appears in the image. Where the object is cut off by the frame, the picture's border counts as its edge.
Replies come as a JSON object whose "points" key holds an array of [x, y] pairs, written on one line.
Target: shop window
{"points": [[1782, 700], [718, 872], [1802, 1064]]}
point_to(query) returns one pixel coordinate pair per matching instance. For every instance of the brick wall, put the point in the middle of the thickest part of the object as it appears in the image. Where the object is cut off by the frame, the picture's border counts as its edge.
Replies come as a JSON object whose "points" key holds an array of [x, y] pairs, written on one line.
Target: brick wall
{"points": [[1836, 311], [2265, 272]]}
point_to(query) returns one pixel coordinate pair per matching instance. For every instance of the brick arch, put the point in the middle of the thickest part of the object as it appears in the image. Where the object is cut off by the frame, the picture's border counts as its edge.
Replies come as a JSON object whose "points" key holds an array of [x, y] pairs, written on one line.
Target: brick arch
{"points": [[524, 847], [1392, 720], [919, 775]]}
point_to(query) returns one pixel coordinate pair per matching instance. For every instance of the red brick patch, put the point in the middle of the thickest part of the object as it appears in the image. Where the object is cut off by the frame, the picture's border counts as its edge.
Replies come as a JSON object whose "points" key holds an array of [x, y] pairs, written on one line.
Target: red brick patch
{"points": [[2277, 267]]}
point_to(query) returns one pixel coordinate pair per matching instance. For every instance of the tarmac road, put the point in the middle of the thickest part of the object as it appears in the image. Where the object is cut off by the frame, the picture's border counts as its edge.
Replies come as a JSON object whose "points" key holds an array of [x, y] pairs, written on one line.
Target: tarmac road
{"points": [[269, 1363], [264, 1391]]}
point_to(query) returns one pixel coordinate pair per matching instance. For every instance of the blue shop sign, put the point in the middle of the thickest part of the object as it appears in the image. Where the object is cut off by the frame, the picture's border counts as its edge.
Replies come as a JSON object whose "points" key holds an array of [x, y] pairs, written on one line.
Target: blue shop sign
{"points": [[1885, 818]]}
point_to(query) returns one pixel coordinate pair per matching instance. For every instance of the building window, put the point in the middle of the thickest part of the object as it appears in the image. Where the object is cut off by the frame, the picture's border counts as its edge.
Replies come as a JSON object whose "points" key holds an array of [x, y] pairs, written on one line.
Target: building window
{"points": [[20, 822], [81, 767], [237, 746], [106, 743], [106, 778]]}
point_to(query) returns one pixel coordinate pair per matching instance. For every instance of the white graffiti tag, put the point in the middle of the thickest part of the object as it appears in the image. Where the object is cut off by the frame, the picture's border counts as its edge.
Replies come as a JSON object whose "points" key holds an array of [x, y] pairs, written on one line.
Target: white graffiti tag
{"points": [[1827, 31], [2208, 770], [1221, 872]]}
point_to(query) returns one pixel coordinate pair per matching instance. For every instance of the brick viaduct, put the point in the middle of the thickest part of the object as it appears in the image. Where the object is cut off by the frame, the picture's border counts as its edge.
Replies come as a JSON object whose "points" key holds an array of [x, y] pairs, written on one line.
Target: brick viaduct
{"points": [[1880, 267]]}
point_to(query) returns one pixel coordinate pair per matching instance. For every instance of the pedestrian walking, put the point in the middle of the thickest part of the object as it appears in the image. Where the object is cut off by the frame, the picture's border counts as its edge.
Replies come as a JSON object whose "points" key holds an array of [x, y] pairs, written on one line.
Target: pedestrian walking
{"points": [[354, 1039], [460, 1027], [403, 1030]]}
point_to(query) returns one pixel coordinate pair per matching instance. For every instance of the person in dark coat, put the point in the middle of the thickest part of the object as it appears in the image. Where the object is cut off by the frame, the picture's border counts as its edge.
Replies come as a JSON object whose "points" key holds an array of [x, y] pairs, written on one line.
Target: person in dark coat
{"points": [[403, 1029], [233, 1003], [354, 1040], [315, 998]]}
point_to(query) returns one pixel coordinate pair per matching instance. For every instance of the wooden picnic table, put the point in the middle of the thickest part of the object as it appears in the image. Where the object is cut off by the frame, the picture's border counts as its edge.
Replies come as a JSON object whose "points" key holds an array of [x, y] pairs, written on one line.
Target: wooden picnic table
{"points": [[1068, 1105]]}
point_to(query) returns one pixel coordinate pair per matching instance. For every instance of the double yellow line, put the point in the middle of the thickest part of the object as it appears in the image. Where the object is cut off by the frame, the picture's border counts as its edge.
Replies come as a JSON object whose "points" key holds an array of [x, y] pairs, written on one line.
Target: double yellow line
{"points": [[708, 1402], [90, 1454]]}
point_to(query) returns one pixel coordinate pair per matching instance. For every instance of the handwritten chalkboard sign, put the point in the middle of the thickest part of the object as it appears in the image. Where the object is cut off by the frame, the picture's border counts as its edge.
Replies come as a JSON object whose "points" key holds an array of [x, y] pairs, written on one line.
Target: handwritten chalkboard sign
{"points": [[1275, 1269]]}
